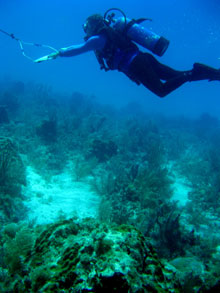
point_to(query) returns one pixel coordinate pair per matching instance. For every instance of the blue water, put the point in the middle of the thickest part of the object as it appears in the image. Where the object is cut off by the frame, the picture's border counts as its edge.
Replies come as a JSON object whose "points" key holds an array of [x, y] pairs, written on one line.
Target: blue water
{"points": [[192, 26]]}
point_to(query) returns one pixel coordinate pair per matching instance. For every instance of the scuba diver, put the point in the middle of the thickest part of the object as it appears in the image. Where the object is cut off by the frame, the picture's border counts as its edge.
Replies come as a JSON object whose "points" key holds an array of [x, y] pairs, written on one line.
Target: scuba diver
{"points": [[114, 41]]}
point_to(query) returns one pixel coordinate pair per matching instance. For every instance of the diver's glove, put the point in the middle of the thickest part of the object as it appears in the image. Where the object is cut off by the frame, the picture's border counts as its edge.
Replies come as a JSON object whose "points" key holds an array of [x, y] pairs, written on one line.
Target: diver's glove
{"points": [[51, 56]]}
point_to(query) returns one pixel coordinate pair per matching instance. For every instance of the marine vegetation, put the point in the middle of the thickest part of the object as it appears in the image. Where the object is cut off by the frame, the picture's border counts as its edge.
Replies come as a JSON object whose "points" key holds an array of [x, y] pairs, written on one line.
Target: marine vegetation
{"points": [[12, 177], [156, 178]]}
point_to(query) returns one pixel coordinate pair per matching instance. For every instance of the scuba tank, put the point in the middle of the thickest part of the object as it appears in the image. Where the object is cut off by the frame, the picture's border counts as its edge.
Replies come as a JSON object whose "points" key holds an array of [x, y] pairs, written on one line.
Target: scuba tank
{"points": [[141, 35], [138, 33]]}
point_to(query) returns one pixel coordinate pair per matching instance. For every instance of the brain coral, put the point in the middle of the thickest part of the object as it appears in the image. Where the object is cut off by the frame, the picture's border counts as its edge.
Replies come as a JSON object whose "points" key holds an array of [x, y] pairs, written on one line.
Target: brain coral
{"points": [[88, 256]]}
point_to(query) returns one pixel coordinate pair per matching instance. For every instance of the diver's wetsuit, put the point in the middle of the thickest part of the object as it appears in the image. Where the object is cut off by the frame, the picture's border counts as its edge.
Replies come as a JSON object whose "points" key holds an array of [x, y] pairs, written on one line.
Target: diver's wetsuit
{"points": [[149, 72], [141, 67]]}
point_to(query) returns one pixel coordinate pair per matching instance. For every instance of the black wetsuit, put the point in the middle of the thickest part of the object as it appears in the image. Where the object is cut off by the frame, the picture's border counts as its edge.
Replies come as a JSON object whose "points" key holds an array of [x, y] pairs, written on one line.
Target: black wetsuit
{"points": [[151, 73], [122, 54]]}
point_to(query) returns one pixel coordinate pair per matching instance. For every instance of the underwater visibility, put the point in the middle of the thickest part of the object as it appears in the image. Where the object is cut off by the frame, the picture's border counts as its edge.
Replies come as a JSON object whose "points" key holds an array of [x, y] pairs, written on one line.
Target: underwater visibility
{"points": [[104, 186]]}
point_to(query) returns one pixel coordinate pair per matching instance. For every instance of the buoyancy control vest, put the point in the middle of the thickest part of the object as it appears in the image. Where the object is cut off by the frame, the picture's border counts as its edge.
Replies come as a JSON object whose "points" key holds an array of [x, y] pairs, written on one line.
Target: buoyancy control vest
{"points": [[117, 51], [121, 35]]}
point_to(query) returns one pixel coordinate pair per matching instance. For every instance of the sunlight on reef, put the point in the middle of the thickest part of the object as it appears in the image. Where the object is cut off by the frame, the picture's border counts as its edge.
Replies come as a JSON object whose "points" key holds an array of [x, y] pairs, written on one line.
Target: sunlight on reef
{"points": [[62, 197]]}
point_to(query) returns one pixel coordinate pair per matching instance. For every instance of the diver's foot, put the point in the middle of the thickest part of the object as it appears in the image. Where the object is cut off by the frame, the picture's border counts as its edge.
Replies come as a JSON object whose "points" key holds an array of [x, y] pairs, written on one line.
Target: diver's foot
{"points": [[201, 72]]}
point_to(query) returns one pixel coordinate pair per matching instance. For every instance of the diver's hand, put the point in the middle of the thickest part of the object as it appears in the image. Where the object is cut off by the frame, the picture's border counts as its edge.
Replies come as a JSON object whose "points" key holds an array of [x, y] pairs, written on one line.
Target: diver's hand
{"points": [[51, 56]]}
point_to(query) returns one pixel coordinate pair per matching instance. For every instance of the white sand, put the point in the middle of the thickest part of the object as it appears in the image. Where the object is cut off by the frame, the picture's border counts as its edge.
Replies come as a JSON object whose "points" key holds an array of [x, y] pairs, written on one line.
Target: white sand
{"points": [[181, 185], [181, 189], [63, 196], [46, 201]]}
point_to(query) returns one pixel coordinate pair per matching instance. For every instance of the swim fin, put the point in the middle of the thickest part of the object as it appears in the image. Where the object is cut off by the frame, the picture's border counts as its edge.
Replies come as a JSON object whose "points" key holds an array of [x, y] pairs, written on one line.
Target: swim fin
{"points": [[202, 72]]}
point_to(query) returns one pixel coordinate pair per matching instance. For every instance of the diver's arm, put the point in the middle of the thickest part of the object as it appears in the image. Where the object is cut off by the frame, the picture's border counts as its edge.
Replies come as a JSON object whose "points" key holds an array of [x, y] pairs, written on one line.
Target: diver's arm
{"points": [[93, 43]]}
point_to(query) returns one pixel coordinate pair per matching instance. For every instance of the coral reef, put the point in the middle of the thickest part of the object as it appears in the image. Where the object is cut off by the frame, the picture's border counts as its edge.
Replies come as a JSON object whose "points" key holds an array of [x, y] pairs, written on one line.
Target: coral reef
{"points": [[90, 257], [10, 164], [47, 131], [12, 177], [141, 167], [102, 150]]}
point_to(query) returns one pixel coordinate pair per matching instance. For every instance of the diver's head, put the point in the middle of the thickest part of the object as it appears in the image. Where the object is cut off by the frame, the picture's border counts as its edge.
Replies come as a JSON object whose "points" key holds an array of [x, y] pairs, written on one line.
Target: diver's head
{"points": [[93, 25]]}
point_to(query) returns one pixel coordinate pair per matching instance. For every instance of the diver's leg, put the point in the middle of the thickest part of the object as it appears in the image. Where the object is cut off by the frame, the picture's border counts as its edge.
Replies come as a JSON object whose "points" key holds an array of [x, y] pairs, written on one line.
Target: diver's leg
{"points": [[150, 72], [162, 89], [143, 69], [164, 72], [199, 71]]}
